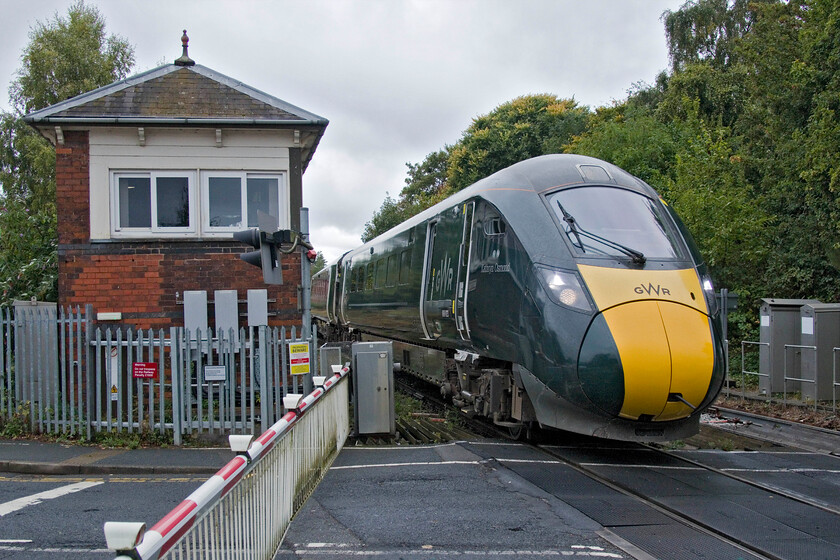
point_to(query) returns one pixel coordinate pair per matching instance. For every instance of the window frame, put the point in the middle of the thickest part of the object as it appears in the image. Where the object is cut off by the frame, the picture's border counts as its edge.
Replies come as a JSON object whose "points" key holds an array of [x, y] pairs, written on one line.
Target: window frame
{"points": [[127, 232], [219, 231], [198, 200]]}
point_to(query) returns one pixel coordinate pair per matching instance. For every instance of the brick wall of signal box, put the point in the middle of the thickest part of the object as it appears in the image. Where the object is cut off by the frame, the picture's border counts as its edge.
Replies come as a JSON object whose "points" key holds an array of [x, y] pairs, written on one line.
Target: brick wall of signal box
{"points": [[145, 281]]}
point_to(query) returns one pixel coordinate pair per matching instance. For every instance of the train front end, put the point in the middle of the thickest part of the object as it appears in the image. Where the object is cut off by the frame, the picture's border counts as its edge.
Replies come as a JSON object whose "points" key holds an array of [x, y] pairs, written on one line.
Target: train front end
{"points": [[646, 356]]}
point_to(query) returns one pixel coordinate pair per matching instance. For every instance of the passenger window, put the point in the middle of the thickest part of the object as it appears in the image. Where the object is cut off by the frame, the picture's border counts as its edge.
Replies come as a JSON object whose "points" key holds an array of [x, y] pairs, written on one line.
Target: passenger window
{"points": [[381, 272], [393, 271], [369, 280], [405, 263]]}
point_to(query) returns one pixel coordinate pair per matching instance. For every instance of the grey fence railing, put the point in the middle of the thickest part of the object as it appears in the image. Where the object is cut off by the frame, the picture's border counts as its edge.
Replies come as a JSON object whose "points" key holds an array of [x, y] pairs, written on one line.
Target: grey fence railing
{"points": [[66, 377]]}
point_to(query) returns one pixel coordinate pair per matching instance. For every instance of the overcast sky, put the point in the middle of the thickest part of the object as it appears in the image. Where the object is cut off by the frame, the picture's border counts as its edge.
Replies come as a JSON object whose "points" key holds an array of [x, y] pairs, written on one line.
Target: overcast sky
{"points": [[397, 79]]}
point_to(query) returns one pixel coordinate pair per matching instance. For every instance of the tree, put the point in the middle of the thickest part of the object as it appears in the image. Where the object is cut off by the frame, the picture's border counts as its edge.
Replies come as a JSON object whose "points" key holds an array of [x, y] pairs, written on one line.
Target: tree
{"points": [[526, 127], [707, 31], [64, 58], [630, 137]]}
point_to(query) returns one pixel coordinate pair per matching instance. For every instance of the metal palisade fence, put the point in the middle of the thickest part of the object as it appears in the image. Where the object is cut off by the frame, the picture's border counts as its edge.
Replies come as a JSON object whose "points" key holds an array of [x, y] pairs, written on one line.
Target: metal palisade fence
{"points": [[59, 374]]}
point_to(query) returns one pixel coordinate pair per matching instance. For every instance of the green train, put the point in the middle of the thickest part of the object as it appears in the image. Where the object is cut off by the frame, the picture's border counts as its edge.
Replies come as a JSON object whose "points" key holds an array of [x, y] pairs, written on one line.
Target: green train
{"points": [[560, 292]]}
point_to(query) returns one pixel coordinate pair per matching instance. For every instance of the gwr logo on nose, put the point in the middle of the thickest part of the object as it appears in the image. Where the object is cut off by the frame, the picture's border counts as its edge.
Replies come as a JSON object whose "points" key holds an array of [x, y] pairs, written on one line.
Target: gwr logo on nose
{"points": [[650, 289]]}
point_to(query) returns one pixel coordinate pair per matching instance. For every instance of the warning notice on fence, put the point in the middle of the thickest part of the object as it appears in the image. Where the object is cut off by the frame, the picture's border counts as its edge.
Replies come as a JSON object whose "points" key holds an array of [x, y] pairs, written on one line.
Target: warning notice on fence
{"points": [[299, 358], [144, 370]]}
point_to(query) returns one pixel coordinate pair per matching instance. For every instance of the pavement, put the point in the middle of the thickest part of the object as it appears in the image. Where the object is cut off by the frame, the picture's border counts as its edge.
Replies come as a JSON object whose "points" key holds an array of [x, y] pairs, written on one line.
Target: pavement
{"points": [[50, 458]]}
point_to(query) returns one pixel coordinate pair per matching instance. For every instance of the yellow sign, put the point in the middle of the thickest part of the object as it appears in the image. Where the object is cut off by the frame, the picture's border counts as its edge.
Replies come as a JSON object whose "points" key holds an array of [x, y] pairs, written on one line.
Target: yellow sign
{"points": [[299, 358]]}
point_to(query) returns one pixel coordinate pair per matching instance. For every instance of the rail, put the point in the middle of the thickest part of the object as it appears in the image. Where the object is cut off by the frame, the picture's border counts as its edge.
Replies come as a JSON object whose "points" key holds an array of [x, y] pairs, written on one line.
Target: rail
{"points": [[244, 509]]}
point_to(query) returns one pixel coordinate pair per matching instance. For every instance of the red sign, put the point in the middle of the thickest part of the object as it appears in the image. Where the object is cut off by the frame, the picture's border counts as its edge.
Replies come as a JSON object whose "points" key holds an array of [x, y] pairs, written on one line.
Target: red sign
{"points": [[144, 370]]}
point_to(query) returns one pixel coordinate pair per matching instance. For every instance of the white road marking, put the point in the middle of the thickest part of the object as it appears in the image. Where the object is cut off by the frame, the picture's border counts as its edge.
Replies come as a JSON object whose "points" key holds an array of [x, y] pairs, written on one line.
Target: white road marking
{"points": [[87, 551], [415, 464], [345, 550], [20, 503]]}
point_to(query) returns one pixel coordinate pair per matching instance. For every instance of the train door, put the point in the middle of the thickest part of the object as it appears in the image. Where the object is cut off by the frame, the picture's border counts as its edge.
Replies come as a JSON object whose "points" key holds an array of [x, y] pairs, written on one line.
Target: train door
{"points": [[464, 273], [442, 316], [332, 283]]}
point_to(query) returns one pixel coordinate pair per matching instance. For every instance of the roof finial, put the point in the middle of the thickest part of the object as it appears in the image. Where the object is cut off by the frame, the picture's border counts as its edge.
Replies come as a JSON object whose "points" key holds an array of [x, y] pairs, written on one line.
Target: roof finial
{"points": [[185, 59]]}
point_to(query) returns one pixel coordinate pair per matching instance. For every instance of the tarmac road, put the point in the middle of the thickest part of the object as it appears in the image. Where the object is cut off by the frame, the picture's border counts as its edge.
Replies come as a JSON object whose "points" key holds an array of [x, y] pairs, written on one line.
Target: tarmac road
{"points": [[55, 499]]}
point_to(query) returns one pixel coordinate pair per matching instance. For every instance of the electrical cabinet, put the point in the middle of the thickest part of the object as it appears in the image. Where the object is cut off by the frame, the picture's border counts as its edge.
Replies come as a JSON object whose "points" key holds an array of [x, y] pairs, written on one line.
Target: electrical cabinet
{"points": [[373, 387], [780, 325], [820, 329]]}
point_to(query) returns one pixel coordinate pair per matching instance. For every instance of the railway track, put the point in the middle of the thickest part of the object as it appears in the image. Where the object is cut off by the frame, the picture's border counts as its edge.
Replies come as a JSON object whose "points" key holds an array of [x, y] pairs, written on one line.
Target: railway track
{"points": [[728, 510], [776, 504]]}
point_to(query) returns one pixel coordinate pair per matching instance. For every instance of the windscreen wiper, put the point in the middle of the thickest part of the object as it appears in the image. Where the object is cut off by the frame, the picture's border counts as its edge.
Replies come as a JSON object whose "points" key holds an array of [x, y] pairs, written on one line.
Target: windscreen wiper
{"points": [[637, 256], [569, 219]]}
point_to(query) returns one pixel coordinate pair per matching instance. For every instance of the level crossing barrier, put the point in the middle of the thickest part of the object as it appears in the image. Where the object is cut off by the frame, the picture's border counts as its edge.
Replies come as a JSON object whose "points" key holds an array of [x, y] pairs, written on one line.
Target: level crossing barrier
{"points": [[244, 509]]}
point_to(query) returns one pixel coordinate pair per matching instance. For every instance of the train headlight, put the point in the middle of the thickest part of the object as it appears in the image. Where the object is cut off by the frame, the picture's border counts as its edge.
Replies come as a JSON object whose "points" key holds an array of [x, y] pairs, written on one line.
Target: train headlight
{"points": [[709, 293], [564, 288]]}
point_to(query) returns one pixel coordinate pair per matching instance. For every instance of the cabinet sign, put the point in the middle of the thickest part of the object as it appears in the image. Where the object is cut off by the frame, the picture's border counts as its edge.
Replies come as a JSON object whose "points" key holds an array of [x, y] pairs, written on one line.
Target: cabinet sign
{"points": [[299, 358], [144, 370]]}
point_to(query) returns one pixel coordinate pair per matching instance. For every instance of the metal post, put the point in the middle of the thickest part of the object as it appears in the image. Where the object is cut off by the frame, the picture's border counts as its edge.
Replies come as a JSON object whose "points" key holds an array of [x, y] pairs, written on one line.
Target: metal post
{"points": [[90, 381], [178, 372], [306, 296]]}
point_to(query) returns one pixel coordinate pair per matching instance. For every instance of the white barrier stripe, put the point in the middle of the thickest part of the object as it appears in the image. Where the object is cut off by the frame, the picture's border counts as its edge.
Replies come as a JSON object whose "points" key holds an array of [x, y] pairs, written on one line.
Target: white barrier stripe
{"points": [[149, 548], [218, 485]]}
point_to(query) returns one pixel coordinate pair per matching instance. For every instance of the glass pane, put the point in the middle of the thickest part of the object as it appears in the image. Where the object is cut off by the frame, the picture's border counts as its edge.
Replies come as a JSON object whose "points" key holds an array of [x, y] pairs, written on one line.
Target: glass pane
{"points": [[173, 202], [616, 216], [263, 194], [225, 201], [135, 202]]}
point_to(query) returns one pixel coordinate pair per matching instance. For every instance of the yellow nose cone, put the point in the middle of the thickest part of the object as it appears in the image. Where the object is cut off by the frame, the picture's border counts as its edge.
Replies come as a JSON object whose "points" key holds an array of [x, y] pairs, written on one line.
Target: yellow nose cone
{"points": [[665, 348]]}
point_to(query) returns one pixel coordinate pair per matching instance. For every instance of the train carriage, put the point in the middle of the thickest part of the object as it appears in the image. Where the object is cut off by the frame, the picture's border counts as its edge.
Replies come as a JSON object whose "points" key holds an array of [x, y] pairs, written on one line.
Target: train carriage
{"points": [[560, 291]]}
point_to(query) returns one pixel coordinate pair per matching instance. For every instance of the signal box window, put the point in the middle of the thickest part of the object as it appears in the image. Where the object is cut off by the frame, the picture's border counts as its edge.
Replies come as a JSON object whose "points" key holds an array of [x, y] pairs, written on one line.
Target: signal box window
{"points": [[230, 201], [157, 202], [171, 204]]}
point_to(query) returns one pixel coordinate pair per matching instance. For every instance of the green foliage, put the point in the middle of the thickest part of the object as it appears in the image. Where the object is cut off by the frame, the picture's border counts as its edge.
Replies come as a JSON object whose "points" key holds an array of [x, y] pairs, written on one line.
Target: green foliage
{"points": [[64, 58], [714, 200], [633, 139], [706, 31], [18, 424], [69, 56], [523, 128]]}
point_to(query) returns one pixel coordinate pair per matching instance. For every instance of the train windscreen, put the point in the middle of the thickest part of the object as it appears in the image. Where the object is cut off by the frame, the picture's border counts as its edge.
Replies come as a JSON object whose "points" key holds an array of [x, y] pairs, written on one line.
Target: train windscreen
{"points": [[609, 221]]}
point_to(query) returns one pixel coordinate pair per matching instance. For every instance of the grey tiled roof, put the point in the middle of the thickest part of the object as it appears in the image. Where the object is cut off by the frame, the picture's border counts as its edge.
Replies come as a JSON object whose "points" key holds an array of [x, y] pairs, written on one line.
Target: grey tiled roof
{"points": [[176, 95]]}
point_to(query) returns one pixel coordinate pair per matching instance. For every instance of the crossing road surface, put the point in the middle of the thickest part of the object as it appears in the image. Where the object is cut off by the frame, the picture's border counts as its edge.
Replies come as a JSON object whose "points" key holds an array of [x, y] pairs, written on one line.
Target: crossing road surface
{"points": [[53, 517]]}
